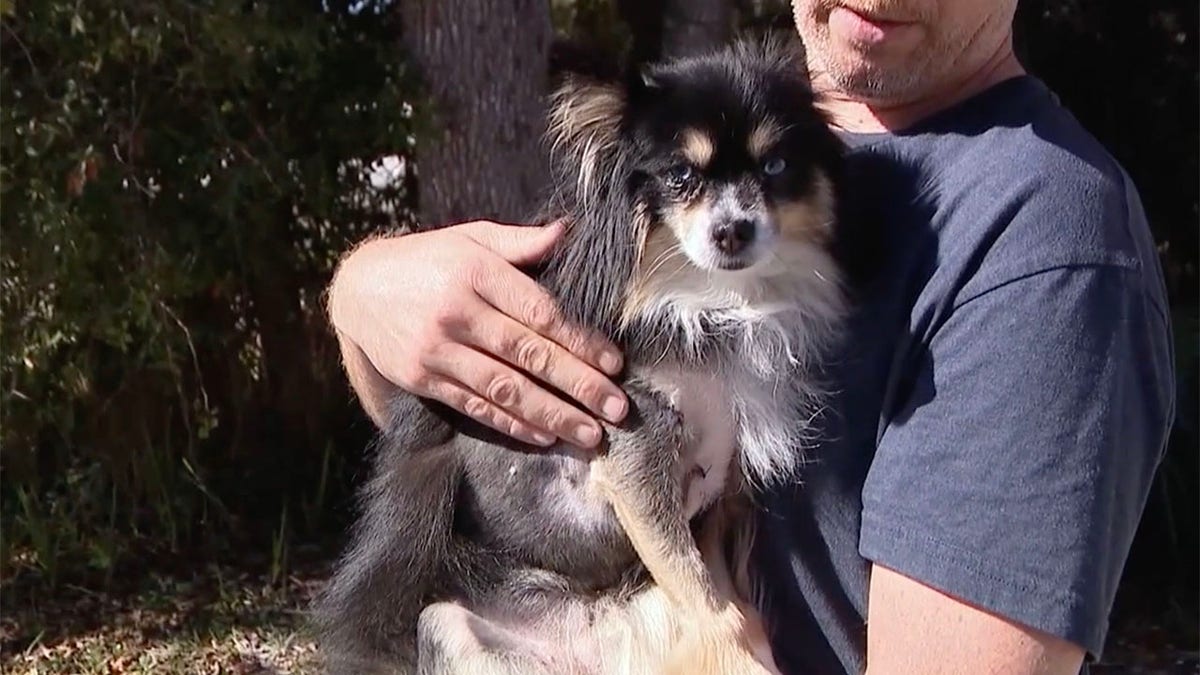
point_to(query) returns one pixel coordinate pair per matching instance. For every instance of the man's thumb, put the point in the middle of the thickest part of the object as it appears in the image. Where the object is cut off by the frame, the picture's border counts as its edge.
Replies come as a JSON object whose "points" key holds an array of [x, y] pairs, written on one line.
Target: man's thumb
{"points": [[518, 244]]}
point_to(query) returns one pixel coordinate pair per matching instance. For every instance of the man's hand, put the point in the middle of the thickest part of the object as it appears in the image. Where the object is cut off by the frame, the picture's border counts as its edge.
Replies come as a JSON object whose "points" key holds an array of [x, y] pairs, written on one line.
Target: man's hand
{"points": [[447, 315], [912, 628]]}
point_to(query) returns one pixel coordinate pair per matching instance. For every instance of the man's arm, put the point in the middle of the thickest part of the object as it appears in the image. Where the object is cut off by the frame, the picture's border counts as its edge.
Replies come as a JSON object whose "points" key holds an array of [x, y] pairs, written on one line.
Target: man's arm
{"points": [[372, 388], [1013, 474], [912, 628]]}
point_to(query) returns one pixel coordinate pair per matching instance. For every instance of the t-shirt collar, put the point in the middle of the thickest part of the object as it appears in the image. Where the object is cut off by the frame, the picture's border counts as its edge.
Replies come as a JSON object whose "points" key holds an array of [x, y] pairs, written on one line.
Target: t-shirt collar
{"points": [[979, 107]]}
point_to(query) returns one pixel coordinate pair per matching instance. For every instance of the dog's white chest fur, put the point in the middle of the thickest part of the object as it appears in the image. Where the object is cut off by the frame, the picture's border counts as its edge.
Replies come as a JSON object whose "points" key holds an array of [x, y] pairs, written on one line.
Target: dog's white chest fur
{"points": [[725, 410], [750, 337]]}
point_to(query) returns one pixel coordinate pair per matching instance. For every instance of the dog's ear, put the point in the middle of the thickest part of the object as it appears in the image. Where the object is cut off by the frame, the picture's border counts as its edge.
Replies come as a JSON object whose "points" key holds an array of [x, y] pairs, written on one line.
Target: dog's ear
{"points": [[642, 81], [594, 96], [584, 130], [591, 169], [790, 49], [585, 110], [783, 50]]}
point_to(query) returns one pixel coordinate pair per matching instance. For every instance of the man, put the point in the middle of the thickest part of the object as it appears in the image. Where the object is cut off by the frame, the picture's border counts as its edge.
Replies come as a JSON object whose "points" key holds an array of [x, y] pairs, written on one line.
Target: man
{"points": [[1001, 400]]}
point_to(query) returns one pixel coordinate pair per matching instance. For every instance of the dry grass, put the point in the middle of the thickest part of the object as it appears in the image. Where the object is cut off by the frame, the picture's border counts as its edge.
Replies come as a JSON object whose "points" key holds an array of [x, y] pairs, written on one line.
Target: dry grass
{"points": [[220, 622]]}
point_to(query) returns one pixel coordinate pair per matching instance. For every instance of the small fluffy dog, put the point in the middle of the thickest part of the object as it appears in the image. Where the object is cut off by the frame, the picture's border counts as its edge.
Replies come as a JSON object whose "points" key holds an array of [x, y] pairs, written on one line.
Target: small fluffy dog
{"points": [[701, 198]]}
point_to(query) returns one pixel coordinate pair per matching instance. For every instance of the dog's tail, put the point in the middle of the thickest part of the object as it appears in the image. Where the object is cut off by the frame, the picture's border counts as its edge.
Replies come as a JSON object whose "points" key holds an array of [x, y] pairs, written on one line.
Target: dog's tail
{"points": [[366, 618]]}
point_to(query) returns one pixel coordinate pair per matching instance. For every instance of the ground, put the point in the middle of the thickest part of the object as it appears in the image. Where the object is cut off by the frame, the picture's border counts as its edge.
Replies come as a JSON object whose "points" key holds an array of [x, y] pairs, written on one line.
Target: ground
{"points": [[222, 621], [226, 621]]}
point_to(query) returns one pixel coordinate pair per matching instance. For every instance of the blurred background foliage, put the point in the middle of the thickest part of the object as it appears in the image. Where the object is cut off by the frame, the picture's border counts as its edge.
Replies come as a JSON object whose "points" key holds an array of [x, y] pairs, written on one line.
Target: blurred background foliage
{"points": [[179, 178]]}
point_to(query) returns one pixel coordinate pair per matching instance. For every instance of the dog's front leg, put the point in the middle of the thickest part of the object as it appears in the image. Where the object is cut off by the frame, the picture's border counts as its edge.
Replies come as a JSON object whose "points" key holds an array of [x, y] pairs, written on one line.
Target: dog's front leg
{"points": [[640, 477]]}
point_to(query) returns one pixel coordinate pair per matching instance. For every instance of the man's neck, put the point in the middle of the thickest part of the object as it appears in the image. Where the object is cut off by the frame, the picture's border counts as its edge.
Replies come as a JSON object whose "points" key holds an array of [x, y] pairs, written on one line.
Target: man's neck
{"points": [[860, 116]]}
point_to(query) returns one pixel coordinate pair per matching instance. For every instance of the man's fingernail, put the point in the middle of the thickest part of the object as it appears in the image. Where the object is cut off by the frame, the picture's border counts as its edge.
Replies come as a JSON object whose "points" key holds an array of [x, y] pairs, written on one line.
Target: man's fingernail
{"points": [[587, 435], [610, 362], [613, 408], [542, 438]]}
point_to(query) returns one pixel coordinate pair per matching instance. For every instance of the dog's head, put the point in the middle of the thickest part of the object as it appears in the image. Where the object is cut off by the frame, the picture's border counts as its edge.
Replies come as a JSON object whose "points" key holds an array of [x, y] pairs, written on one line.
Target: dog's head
{"points": [[709, 178]]}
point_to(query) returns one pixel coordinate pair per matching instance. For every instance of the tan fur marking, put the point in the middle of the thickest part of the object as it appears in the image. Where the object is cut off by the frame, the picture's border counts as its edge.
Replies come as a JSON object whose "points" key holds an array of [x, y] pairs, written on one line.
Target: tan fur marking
{"points": [[765, 135], [681, 218], [660, 256], [680, 573], [728, 644], [658, 252], [734, 640], [807, 219], [697, 147]]}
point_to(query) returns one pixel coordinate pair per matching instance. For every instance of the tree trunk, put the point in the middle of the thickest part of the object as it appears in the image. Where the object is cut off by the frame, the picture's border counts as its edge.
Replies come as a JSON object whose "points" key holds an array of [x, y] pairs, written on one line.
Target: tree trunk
{"points": [[695, 26], [484, 62]]}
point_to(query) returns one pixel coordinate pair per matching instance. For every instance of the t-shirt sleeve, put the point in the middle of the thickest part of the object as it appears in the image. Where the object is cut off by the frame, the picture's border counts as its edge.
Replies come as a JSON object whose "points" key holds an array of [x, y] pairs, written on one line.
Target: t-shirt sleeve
{"points": [[1021, 448]]}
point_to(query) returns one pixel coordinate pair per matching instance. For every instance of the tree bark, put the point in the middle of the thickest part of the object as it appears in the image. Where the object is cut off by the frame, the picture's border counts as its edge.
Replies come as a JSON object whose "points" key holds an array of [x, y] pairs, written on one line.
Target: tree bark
{"points": [[484, 62], [695, 26]]}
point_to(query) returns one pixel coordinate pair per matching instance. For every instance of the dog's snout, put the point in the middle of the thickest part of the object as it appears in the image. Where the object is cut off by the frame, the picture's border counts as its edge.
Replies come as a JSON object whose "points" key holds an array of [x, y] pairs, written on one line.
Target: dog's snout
{"points": [[732, 237]]}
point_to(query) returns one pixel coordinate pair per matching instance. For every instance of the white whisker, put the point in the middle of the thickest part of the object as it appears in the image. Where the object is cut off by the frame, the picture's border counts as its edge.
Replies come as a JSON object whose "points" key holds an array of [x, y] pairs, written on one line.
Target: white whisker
{"points": [[672, 252]]}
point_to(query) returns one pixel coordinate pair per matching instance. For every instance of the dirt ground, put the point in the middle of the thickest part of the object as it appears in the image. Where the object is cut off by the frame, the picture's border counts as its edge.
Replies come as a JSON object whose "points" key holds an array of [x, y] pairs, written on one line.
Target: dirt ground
{"points": [[224, 621], [221, 622]]}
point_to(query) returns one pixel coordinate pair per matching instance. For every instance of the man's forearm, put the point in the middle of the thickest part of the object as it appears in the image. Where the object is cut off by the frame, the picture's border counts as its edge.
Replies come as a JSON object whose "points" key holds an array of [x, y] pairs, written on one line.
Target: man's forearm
{"points": [[373, 390], [371, 387]]}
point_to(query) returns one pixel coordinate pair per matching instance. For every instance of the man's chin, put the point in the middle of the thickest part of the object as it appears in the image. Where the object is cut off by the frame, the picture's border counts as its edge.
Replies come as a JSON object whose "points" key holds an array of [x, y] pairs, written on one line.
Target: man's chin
{"points": [[867, 81]]}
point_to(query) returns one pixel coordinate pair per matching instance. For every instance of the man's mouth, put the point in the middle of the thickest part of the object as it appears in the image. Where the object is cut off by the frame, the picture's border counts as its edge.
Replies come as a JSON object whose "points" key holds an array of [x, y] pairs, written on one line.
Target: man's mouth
{"points": [[863, 27]]}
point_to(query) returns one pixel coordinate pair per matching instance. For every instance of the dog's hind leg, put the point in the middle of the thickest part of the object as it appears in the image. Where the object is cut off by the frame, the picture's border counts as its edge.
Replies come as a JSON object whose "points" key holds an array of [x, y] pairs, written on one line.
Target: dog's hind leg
{"points": [[452, 640]]}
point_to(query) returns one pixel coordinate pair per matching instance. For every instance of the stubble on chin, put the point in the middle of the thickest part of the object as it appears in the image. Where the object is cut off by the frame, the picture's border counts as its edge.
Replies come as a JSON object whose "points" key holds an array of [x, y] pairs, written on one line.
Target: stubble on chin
{"points": [[848, 73]]}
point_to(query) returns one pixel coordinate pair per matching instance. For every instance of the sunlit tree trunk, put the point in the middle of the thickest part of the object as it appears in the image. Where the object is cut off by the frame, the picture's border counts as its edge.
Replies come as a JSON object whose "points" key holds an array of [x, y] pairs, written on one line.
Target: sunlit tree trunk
{"points": [[485, 64]]}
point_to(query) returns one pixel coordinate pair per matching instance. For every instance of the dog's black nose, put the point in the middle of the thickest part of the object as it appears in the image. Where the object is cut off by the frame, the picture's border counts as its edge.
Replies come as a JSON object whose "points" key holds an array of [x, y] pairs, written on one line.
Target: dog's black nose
{"points": [[733, 236]]}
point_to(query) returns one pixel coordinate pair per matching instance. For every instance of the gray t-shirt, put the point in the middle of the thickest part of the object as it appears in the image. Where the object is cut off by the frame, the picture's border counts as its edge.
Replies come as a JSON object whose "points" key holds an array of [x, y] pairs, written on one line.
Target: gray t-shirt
{"points": [[1003, 396]]}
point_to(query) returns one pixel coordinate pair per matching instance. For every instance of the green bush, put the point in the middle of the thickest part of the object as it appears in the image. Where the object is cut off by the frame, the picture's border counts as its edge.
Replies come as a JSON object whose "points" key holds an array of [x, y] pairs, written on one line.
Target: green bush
{"points": [[178, 181]]}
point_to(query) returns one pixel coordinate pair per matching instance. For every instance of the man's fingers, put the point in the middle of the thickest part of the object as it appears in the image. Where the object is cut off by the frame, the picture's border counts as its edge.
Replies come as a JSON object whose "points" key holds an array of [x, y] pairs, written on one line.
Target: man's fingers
{"points": [[528, 303], [550, 363], [485, 412], [518, 244], [506, 388]]}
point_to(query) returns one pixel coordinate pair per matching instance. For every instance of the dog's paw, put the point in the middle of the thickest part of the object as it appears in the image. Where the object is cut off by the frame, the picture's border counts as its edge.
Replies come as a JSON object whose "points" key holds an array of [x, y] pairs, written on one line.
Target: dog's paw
{"points": [[651, 411], [729, 642]]}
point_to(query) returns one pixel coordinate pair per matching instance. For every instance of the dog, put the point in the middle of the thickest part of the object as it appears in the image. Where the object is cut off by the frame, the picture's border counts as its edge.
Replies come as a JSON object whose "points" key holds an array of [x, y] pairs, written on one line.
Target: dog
{"points": [[702, 199]]}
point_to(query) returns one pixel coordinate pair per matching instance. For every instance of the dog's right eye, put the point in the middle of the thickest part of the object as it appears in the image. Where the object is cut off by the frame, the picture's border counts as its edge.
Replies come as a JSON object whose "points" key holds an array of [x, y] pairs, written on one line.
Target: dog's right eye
{"points": [[679, 175]]}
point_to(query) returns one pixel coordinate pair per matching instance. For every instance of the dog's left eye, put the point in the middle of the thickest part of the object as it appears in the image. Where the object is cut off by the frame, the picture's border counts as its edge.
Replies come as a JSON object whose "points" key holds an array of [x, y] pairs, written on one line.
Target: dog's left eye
{"points": [[774, 167], [679, 174]]}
